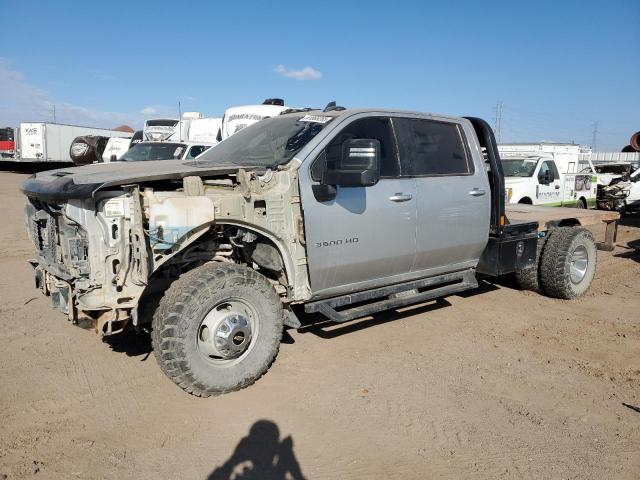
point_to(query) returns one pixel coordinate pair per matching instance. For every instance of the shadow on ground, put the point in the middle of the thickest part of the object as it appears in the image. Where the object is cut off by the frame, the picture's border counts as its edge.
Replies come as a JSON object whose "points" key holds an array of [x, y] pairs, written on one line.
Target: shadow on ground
{"points": [[318, 325], [261, 455], [135, 344], [631, 250], [27, 168]]}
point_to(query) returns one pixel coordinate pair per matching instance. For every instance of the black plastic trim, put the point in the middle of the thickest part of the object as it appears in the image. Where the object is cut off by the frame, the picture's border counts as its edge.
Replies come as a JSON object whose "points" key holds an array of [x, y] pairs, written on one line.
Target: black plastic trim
{"points": [[488, 142], [452, 283]]}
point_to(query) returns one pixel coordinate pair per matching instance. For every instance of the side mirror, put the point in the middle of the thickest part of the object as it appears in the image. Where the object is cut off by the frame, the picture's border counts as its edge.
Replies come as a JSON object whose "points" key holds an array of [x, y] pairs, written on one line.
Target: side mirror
{"points": [[359, 165]]}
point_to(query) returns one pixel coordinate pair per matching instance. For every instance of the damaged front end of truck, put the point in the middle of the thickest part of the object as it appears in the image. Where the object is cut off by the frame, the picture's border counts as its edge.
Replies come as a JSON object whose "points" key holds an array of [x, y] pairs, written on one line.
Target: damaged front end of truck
{"points": [[110, 239]]}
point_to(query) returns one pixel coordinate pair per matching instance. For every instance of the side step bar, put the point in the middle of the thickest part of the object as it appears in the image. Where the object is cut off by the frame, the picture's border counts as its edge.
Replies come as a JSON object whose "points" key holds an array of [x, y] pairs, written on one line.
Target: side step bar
{"points": [[397, 296]]}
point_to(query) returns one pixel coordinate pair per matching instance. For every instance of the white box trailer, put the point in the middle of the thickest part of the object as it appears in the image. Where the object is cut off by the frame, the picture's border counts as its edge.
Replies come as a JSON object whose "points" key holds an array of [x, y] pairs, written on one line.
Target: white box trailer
{"points": [[50, 142], [205, 130]]}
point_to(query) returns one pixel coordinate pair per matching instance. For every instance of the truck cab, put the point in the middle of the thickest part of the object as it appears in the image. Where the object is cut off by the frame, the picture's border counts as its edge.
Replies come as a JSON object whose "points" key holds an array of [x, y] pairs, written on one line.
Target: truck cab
{"points": [[538, 180], [7, 143]]}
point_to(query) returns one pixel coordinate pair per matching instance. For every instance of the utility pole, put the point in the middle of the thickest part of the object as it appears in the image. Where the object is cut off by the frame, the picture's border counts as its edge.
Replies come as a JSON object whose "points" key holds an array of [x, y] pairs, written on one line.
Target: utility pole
{"points": [[497, 126], [594, 138], [54, 113]]}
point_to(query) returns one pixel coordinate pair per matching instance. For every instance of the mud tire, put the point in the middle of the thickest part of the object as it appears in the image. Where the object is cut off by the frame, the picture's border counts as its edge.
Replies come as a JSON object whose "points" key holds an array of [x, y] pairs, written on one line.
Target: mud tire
{"points": [[185, 304], [529, 278], [555, 266]]}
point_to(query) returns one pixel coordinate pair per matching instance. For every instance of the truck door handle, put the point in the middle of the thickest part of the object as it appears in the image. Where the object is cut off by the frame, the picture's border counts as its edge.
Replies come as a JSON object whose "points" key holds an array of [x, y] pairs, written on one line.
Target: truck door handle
{"points": [[401, 197], [476, 192]]}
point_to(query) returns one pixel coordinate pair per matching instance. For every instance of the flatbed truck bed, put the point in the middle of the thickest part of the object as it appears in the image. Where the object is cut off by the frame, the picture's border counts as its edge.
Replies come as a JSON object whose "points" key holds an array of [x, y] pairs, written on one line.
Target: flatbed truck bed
{"points": [[549, 218]]}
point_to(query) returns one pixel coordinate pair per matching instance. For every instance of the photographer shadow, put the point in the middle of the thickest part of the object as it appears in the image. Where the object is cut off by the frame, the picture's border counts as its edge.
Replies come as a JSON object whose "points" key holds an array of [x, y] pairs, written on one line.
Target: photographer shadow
{"points": [[261, 455]]}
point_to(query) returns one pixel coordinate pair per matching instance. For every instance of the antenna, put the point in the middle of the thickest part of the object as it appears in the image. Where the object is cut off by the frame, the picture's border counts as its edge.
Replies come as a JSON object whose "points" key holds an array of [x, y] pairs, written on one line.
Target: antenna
{"points": [[54, 113], [498, 121], [594, 138]]}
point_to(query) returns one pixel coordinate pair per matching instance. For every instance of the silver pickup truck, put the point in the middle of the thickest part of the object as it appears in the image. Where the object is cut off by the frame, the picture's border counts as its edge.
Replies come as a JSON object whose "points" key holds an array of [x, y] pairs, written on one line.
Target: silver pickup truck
{"points": [[342, 212]]}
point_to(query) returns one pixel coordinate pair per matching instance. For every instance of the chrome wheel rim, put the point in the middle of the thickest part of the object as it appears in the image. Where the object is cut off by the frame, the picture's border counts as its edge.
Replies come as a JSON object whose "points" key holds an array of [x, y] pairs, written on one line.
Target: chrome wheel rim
{"points": [[578, 264], [227, 333]]}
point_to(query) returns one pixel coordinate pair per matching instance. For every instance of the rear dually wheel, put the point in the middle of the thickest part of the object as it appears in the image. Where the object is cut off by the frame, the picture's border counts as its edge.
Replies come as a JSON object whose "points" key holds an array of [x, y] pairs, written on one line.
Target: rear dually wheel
{"points": [[568, 263]]}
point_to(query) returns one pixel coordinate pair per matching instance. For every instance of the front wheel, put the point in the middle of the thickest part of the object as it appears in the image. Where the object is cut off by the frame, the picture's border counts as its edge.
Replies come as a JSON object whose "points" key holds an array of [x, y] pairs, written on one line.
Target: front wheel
{"points": [[217, 329], [568, 262]]}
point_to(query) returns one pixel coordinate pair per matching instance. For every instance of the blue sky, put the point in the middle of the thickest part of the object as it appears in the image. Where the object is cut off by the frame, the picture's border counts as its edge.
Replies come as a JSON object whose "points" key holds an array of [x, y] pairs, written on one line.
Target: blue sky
{"points": [[557, 66]]}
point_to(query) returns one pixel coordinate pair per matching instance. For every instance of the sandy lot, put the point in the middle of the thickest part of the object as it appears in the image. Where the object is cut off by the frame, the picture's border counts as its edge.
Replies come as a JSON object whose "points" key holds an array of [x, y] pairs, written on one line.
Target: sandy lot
{"points": [[496, 383]]}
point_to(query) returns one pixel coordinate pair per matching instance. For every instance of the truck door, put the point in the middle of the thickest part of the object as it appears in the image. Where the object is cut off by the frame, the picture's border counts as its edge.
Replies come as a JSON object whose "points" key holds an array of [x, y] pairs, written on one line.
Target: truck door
{"points": [[453, 207], [366, 235], [549, 189]]}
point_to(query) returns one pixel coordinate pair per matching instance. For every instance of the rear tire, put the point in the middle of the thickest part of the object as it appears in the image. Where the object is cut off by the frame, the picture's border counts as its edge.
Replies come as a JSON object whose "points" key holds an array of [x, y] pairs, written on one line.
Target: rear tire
{"points": [[529, 278], [568, 263], [217, 329], [581, 203]]}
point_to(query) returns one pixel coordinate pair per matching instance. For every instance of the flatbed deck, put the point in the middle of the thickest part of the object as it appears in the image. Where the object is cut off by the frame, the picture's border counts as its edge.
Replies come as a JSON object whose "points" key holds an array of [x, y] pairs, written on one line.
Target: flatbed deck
{"points": [[552, 217]]}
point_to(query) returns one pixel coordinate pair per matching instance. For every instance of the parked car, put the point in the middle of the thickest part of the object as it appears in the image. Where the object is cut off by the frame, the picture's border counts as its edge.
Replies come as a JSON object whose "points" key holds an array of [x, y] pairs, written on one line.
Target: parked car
{"points": [[145, 151]]}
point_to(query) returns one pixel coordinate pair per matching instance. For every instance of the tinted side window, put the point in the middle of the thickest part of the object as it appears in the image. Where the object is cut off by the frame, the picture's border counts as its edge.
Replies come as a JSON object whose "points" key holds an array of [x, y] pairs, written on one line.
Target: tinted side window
{"points": [[196, 150], [429, 147], [378, 128]]}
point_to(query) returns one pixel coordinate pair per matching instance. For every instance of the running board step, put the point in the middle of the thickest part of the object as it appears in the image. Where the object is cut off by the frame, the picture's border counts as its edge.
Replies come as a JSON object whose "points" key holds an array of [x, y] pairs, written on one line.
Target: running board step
{"points": [[397, 296]]}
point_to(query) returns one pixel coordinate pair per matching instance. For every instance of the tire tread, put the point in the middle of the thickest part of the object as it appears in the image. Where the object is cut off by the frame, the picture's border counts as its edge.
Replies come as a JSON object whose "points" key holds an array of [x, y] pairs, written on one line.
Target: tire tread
{"points": [[173, 313], [553, 274]]}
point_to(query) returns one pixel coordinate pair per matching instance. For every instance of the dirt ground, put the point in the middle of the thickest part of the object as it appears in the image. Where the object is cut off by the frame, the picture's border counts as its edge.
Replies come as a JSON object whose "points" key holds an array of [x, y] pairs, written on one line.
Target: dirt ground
{"points": [[496, 383]]}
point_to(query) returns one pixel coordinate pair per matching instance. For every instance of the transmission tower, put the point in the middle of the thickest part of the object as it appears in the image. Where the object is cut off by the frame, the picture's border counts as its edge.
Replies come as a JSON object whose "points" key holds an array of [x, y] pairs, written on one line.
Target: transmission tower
{"points": [[497, 126], [594, 138]]}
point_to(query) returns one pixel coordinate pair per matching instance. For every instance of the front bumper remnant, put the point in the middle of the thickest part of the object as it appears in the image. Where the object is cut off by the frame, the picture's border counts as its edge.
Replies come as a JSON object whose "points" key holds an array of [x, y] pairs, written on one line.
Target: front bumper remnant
{"points": [[105, 322]]}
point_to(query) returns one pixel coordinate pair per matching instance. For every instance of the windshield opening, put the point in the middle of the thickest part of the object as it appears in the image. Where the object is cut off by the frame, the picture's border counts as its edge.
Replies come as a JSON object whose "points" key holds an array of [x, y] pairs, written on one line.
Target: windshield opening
{"points": [[519, 167], [268, 143], [153, 151], [162, 122]]}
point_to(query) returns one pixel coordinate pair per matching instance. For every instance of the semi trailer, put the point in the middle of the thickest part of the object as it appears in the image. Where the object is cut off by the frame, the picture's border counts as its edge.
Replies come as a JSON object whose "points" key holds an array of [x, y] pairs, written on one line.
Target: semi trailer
{"points": [[50, 142]]}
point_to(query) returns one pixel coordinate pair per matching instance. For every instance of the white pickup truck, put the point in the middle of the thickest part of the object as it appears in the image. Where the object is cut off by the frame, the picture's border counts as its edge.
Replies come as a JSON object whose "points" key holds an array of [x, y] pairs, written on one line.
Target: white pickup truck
{"points": [[536, 180]]}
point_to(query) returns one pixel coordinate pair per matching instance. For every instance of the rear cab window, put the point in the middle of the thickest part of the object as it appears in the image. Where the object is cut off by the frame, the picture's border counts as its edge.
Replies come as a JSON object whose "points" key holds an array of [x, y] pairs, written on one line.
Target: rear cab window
{"points": [[431, 147]]}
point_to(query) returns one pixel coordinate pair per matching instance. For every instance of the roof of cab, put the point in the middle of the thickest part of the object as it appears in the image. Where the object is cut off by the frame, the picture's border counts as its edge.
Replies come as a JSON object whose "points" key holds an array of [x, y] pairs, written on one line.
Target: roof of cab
{"points": [[354, 111]]}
